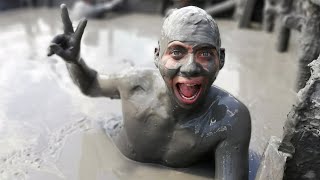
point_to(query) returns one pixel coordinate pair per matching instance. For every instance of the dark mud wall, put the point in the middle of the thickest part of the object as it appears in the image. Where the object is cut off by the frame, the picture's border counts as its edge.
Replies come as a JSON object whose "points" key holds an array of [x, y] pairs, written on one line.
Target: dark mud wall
{"points": [[147, 6], [258, 11], [5, 5], [55, 3], [309, 27], [11, 4], [304, 17], [248, 11], [302, 131]]}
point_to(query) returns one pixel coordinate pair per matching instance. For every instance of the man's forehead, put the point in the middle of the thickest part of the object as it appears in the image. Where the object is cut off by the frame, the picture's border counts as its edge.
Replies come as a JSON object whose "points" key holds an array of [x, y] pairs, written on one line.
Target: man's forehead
{"points": [[190, 24], [192, 44], [192, 40]]}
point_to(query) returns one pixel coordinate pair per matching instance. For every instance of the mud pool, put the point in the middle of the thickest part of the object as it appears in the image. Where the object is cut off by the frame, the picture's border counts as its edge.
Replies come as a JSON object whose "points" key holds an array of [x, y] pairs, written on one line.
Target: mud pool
{"points": [[49, 130]]}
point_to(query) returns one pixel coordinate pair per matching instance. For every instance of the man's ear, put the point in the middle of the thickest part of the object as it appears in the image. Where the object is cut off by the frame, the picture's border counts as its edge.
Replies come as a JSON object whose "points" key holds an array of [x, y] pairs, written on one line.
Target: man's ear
{"points": [[156, 56], [221, 57]]}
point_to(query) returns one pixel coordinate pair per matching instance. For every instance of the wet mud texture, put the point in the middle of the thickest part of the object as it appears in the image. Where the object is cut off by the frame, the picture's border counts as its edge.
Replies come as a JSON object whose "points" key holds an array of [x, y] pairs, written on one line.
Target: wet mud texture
{"points": [[273, 14], [307, 21], [38, 98], [248, 11], [273, 162], [270, 12], [302, 131]]}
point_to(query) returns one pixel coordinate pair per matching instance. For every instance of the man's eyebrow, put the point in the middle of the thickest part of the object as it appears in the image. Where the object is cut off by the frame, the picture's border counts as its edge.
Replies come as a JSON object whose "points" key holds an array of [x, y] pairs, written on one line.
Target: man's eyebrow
{"points": [[203, 46], [176, 46]]}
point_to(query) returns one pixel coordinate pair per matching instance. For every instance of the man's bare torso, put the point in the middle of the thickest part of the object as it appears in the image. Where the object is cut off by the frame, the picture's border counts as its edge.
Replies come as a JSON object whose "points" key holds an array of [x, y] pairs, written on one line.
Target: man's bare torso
{"points": [[176, 140]]}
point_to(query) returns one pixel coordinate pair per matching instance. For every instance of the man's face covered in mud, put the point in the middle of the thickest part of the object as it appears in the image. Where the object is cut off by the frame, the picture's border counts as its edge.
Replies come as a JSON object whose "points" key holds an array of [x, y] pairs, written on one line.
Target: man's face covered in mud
{"points": [[189, 55]]}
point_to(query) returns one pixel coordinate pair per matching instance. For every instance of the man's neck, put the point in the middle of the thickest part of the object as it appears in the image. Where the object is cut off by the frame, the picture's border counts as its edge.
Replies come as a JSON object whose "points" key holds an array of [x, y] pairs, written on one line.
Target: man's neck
{"points": [[182, 114]]}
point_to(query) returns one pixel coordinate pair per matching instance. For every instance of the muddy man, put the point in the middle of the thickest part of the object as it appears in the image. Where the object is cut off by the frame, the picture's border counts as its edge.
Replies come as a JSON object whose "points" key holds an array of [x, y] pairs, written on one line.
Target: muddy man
{"points": [[175, 117]]}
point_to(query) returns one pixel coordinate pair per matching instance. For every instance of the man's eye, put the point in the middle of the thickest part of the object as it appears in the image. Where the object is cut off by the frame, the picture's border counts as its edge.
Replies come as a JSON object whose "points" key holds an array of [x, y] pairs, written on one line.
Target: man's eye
{"points": [[176, 53], [205, 54]]}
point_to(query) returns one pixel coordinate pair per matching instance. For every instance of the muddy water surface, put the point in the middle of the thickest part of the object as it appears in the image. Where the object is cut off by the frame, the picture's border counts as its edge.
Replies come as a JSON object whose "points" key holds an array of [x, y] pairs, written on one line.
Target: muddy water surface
{"points": [[49, 130]]}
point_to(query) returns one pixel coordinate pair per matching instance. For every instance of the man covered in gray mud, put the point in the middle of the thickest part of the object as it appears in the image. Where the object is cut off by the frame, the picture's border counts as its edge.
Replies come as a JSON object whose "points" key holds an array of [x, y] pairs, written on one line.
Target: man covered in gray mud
{"points": [[176, 117]]}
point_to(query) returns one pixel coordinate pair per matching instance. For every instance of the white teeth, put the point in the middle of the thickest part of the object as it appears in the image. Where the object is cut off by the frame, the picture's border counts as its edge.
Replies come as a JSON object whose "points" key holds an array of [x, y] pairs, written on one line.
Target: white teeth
{"points": [[190, 84], [190, 98]]}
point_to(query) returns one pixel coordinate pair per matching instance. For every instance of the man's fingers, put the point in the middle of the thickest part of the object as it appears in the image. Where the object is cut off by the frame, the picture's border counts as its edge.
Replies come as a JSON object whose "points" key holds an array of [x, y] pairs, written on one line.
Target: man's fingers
{"points": [[58, 39], [52, 49], [80, 29], [49, 52], [56, 49], [67, 24]]}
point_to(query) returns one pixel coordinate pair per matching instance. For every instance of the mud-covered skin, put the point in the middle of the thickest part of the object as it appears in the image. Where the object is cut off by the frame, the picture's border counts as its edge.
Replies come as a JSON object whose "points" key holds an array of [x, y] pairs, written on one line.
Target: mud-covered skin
{"points": [[188, 62], [158, 129], [301, 131]]}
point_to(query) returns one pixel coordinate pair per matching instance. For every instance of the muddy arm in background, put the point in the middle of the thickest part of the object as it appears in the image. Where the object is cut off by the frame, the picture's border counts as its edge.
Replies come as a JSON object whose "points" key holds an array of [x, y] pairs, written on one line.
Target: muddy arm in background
{"points": [[270, 12], [287, 22], [307, 24], [294, 22], [274, 10], [246, 15], [221, 7], [284, 32], [67, 46]]}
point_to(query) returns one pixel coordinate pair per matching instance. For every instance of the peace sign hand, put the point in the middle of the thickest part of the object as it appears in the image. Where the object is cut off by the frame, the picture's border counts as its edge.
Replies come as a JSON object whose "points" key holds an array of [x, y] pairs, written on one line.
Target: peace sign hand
{"points": [[67, 45]]}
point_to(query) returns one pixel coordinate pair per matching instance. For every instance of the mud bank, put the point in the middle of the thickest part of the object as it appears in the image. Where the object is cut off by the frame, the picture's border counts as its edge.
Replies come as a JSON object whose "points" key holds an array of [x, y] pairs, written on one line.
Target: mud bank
{"points": [[302, 130]]}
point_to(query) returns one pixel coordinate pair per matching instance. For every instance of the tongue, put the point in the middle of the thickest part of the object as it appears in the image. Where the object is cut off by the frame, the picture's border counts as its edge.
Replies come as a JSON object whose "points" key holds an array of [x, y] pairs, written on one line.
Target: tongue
{"points": [[188, 91]]}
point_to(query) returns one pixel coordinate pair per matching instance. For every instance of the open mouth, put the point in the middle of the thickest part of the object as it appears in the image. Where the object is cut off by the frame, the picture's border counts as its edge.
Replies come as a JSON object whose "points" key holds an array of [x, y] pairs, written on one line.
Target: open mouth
{"points": [[188, 92]]}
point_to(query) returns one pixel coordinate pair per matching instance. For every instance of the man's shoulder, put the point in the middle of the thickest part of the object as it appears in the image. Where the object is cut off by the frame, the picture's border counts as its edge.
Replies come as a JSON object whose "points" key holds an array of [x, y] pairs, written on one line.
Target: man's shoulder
{"points": [[143, 77], [226, 98], [140, 71], [237, 116], [135, 74], [235, 109]]}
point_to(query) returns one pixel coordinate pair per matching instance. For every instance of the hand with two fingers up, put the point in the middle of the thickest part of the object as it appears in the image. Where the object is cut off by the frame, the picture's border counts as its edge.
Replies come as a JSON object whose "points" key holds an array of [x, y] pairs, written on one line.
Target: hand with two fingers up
{"points": [[67, 45]]}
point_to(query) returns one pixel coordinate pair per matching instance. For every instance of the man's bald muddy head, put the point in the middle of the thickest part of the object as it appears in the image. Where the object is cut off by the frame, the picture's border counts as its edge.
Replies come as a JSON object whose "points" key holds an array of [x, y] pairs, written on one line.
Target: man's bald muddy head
{"points": [[189, 56], [189, 24]]}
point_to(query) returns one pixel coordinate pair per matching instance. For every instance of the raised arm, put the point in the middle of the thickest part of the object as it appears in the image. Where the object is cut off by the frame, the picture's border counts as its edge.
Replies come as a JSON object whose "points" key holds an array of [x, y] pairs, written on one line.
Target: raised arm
{"points": [[67, 46]]}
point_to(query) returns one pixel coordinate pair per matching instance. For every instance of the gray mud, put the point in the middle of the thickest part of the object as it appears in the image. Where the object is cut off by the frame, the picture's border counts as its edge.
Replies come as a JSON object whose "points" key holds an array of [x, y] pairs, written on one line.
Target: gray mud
{"points": [[49, 130]]}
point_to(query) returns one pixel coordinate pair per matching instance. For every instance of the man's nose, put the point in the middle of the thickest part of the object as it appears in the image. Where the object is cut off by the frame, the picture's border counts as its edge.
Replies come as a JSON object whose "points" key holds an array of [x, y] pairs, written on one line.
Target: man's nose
{"points": [[190, 68]]}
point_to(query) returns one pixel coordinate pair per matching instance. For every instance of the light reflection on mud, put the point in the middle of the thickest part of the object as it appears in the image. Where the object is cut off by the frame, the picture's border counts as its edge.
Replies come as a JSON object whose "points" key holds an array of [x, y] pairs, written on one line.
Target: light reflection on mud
{"points": [[38, 99]]}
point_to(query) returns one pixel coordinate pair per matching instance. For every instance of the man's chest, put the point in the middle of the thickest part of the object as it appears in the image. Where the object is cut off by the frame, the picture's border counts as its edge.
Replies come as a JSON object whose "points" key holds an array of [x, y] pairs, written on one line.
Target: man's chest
{"points": [[154, 131]]}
